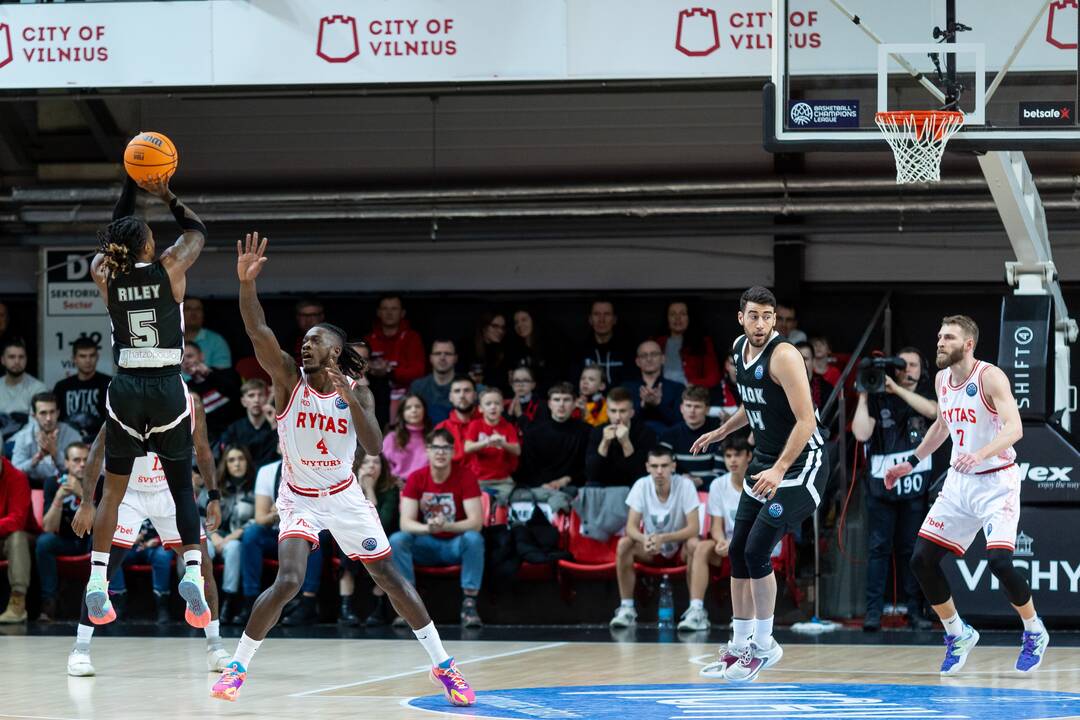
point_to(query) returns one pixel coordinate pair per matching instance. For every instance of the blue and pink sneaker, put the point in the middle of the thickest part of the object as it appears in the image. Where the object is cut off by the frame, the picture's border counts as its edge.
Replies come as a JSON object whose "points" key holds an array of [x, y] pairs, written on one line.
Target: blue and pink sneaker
{"points": [[453, 683], [957, 649], [228, 685], [197, 612], [1032, 650], [98, 606]]}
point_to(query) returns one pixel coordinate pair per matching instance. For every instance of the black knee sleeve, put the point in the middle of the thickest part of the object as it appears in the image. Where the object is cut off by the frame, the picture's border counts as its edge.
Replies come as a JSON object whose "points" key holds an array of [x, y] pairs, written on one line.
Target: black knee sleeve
{"points": [[926, 566], [759, 545], [119, 465], [1016, 587], [178, 475], [737, 550]]}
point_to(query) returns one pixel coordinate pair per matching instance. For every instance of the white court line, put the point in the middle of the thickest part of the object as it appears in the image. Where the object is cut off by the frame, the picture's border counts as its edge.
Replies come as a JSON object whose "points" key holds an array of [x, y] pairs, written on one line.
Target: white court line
{"points": [[701, 660], [426, 668], [36, 717], [406, 704]]}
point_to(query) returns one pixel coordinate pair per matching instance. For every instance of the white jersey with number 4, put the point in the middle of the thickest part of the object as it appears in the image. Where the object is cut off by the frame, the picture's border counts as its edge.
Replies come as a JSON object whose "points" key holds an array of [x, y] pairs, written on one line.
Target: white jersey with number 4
{"points": [[318, 440], [973, 423]]}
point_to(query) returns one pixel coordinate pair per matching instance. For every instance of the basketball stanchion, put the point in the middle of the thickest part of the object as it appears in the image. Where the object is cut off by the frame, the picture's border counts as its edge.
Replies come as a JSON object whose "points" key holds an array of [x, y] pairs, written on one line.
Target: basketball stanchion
{"points": [[815, 625]]}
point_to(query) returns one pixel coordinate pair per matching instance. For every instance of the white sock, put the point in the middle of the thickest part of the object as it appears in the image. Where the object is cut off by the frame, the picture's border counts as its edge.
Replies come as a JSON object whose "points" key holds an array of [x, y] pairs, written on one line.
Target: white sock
{"points": [[953, 626], [627, 603], [763, 632], [212, 630], [245, 650], [1034, 625], [741, 632], [99, 564], [192, 558], [429, 638], [697, 604], [83, 636]]}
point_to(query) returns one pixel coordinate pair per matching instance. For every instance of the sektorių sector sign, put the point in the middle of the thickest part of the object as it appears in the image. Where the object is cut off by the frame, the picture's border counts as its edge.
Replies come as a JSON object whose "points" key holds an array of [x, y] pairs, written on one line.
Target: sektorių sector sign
{"points": [[319, 42], [763, 700]]}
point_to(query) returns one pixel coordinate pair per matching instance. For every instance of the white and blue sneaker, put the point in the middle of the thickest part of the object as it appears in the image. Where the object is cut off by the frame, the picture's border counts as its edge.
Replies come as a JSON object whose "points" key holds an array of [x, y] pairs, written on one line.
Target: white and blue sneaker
{"points": [[1032, 650], [957, 649]]}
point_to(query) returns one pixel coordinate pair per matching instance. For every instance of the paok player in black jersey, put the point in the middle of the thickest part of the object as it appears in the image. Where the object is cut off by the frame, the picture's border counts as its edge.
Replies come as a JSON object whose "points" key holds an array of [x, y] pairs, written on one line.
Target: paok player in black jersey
{"points": [[787, 476], [147, 401]]}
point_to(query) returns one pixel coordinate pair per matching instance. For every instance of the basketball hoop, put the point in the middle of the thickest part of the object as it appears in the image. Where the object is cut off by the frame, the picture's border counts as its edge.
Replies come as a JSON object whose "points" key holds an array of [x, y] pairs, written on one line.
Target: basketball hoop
{"points": [[918, 139]]}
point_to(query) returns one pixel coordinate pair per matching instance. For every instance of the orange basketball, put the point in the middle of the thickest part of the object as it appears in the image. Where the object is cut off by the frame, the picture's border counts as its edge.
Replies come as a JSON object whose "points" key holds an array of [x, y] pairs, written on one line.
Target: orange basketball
{"points": [[149, 154]]}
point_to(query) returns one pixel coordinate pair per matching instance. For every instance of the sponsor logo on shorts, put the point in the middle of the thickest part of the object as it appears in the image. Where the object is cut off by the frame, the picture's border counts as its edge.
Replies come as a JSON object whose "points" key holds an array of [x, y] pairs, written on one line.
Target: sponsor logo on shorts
{"points": [[759, 372], [369, 544], [341, 404], [776, 510], [972, 389], [939, 524], [124, 530]]}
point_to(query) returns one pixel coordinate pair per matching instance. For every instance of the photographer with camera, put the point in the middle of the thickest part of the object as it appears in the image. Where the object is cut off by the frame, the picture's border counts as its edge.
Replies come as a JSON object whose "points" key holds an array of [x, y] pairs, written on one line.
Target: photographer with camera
{"points": [[896, 406]]}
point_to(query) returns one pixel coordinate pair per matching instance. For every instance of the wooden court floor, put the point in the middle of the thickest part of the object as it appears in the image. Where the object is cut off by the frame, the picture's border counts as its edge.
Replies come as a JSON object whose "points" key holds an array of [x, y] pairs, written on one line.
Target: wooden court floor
{"points": [[165, 678]]}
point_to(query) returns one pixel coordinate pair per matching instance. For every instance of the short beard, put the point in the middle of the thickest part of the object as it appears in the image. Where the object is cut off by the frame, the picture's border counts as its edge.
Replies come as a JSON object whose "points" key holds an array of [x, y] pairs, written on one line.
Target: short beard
{"points": [[951, 359], [465, 410], [14, 374]]}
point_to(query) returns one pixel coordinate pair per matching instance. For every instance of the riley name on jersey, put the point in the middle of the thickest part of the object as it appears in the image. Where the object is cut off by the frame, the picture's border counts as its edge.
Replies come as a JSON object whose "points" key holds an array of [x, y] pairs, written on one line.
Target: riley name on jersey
{"points": [[137, 293]]}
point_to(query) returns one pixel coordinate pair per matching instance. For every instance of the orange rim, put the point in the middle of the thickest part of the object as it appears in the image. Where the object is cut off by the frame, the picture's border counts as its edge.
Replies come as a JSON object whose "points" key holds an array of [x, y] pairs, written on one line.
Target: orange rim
{"points": [[937, 119]]}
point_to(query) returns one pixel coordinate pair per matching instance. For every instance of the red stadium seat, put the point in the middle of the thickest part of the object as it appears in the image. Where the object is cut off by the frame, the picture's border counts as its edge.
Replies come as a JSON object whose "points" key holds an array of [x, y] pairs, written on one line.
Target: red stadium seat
{"points": [[591, 559], [248, 368]]}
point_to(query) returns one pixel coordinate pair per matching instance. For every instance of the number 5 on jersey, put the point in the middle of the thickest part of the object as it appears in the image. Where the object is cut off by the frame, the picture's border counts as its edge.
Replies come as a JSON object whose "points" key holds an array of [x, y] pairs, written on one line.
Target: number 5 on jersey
{"points": [[143, 327]]}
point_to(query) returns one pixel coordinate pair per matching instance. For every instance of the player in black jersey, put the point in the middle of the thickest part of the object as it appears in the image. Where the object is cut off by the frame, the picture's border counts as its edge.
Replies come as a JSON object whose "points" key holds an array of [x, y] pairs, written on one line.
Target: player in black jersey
{"points": [[787, 476], [147, 401]]}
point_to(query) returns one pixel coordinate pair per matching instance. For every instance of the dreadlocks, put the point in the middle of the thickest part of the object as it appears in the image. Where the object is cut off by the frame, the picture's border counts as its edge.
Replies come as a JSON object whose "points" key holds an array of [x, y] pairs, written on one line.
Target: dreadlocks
{"points": [[349, 361], [120, 242]]}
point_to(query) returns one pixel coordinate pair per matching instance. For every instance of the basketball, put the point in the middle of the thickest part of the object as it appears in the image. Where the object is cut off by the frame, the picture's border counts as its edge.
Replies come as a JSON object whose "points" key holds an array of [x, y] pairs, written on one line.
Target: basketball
{"points": [[149, 154]]}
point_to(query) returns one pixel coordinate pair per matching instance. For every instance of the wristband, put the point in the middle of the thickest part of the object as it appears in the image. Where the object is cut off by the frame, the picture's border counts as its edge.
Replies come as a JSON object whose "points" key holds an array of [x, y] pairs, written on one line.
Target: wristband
{"points": [[213, 495], [914, 460]]}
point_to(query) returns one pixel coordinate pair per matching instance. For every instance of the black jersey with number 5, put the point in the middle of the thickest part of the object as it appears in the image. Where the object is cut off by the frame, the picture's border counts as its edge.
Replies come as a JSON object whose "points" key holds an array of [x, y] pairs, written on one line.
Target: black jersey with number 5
{"points": [[147, 323], [768, 410]]}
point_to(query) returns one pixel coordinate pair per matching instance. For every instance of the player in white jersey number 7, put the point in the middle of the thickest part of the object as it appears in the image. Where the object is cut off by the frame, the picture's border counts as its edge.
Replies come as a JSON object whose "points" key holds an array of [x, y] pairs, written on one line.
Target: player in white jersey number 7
{"points": [[322, 415], [976, 409]]}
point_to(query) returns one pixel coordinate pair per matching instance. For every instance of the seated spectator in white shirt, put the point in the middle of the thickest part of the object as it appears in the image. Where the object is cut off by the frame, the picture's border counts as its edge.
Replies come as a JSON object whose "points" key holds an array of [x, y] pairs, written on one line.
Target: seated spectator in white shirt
{"points": [[39, 447], [17, 386], [661, 527], [215, 348]]}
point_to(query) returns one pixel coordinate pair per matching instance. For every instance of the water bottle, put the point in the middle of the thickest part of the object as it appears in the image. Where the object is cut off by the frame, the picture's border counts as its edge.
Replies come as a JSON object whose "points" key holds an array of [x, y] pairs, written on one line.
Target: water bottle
{"points": [[666, 611]]}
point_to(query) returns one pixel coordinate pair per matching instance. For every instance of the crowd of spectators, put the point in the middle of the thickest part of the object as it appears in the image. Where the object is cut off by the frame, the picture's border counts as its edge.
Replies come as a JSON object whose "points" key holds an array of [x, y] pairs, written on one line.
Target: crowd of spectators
{"points": [[464, 419]]}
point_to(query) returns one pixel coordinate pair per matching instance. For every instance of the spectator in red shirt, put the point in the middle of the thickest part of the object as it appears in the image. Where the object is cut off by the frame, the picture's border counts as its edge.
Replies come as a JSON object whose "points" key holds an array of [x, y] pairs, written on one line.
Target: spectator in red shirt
{"points": [[441, 516], [824, 362], [397, 352], [463, 402], [689, 355], [820, 388], [493, 446], [16, 525]]}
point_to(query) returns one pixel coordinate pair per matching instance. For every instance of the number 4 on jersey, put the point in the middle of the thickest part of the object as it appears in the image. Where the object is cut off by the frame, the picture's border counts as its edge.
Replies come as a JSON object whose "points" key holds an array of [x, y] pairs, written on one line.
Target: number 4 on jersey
{"points": [[321, 447]]}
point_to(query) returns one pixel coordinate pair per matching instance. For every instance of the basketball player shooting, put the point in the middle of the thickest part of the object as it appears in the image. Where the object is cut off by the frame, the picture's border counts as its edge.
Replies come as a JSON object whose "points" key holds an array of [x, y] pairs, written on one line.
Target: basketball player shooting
{"points": [[324, 414], [148, 498], [787, 475], [977, 411], [147, 401]]}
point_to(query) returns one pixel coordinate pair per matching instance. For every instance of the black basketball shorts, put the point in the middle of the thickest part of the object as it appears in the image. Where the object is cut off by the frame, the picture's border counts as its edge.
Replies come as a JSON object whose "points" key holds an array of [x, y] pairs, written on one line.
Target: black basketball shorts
{"points": [[148, 414], [797, 497]]}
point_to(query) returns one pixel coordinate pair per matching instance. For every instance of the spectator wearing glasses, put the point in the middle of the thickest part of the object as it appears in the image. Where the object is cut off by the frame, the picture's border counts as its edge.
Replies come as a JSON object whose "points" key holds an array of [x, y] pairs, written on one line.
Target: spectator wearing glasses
{"points": [[525, 407], [488, 362], [656, 398], [440, 522]]}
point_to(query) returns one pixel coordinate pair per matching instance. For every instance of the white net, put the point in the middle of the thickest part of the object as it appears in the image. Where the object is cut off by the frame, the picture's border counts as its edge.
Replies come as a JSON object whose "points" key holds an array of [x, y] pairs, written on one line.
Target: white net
{"points": [[918, 141]]}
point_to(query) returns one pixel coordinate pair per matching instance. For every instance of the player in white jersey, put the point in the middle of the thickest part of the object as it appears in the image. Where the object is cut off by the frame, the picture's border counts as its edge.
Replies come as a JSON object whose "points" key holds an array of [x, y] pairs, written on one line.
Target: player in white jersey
{"points": [[148, 497], [977, 411], [324, 414]]}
